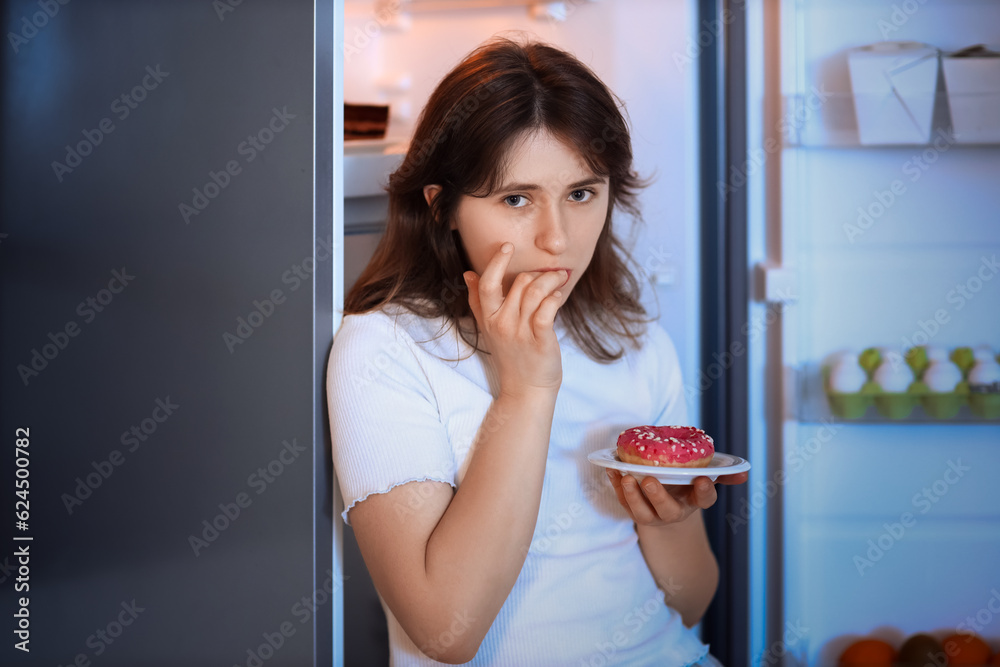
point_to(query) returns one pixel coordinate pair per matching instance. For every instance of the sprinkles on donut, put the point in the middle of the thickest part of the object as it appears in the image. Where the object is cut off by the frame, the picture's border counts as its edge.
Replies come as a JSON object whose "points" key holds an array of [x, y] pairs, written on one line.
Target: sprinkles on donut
{"points": [[666, 446]]}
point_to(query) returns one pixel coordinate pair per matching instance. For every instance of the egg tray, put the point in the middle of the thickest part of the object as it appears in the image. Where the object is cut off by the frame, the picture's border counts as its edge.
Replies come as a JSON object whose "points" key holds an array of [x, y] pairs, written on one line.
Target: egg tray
{"points": [[938, 406], [901, 406]]}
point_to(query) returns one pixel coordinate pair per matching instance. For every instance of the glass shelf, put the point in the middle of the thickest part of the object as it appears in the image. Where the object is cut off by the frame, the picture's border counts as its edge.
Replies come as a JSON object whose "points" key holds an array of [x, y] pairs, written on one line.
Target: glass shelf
{"points": [[813, 406], [825, 119]]}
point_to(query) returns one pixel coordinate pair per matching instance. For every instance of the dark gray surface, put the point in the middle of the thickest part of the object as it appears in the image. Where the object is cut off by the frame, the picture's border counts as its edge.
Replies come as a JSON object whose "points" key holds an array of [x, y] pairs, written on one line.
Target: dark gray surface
{"points": [[724, 284], [162, 336]]}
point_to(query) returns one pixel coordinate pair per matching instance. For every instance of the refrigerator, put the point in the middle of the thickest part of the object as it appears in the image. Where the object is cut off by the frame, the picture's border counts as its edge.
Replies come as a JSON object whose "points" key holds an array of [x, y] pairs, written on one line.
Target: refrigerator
{"points": [[168, 305], [871, 199], [165, 313]]}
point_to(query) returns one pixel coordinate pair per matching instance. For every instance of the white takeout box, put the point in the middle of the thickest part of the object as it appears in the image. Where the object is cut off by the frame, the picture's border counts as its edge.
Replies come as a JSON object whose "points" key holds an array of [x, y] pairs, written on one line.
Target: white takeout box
{"points": [[894, 84], [973, 85]]}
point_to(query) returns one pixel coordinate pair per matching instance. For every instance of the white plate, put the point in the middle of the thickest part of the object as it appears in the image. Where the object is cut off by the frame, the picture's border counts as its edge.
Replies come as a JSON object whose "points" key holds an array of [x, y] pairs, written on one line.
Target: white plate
{"points": [[721, 464]]}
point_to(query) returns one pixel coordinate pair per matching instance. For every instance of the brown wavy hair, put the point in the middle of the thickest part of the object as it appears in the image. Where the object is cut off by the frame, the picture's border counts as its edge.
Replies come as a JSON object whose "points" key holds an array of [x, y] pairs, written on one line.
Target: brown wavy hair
{"points": [[500, 92]]}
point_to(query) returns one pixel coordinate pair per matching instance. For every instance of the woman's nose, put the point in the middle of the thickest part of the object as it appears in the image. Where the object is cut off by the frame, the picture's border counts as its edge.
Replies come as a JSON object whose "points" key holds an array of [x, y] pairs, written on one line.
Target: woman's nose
{"points": [[550, 232]]}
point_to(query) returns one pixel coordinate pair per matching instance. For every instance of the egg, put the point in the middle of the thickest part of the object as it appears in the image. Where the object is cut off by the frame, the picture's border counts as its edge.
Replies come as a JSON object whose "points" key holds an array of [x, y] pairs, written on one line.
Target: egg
{"points": [[942, 376], [891, 355], [983, 353], [847, 376], [966, 649], [984, 372], [868, 653], [920, 650], [893, 378]]}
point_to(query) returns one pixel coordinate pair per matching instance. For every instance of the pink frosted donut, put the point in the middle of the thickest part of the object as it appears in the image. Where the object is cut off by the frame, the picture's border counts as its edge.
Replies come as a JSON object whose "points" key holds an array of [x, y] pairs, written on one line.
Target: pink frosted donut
{"points": [[669, 446]]}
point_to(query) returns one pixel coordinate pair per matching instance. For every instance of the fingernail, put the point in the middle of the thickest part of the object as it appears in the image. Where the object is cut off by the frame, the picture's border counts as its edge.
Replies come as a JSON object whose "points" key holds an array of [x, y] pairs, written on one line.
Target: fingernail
{"points": [[557, 294], [507, 248]]}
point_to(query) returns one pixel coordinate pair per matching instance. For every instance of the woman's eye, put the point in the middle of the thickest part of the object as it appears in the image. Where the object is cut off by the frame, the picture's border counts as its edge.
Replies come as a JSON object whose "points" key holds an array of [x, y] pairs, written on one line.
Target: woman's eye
{"points": [[581, 195], [515, 201]]}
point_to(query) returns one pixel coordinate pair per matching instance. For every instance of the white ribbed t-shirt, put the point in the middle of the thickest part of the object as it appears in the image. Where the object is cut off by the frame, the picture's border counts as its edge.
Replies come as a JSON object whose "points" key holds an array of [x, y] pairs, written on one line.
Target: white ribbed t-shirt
{"points": [[406, 400]]}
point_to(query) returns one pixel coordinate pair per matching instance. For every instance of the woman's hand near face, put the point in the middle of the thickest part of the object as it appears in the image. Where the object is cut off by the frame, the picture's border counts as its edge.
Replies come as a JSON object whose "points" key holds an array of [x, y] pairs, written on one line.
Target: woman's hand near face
{"points": [[518, 329]]}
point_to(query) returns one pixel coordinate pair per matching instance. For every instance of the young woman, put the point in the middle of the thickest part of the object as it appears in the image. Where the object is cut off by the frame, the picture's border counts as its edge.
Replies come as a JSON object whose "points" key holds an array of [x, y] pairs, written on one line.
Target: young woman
{"points": [[493, 342]]}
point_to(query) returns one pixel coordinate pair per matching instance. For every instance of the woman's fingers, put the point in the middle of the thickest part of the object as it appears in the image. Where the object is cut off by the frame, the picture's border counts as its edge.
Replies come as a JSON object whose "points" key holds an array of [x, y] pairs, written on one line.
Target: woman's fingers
{"points": [[491, 282], [533, 298], [651, 503], [700, 494], [540, 288], [738, 478], [616, 483], [517, 327], [472, 282], [645, 503], [704, 495], [662, 505], [515, 294], [545, 317], [529, 291]]}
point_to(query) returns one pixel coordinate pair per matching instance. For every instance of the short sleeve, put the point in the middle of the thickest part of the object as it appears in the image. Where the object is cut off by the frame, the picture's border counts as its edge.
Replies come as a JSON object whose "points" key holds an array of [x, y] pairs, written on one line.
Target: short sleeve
{"points": [[668, 383], [384, 421]]}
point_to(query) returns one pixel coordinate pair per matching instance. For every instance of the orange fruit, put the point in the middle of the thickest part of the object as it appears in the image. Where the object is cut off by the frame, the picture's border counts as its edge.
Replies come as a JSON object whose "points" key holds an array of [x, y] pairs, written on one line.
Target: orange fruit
{"points": [[966, 649], [868, 653], [996, 659]]}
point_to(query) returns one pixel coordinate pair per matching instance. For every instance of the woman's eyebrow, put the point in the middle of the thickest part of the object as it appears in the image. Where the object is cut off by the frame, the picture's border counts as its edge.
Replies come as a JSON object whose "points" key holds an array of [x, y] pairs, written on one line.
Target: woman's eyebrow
{"points": [[518, 186], [588, 181], [507, 187]]}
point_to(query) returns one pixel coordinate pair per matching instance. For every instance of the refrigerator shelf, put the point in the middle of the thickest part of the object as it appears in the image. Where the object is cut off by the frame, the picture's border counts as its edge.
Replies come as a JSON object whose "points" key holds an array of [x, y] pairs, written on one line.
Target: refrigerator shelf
{"points": [[824, 119], [810, 404]]}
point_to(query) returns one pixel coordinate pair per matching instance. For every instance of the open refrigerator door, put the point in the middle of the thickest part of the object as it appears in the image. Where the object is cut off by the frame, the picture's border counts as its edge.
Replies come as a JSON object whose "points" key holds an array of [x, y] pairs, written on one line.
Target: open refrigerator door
{"points": [[874, 401]]}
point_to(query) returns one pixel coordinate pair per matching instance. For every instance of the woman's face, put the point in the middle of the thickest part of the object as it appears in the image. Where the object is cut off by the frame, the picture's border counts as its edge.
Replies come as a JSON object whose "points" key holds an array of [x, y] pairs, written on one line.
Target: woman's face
{"points": [[550, 206]]}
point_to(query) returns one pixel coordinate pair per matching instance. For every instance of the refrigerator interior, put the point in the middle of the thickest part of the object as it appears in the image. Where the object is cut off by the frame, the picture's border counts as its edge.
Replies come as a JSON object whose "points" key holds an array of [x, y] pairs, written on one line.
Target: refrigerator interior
{"points": [[887, 527]]}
